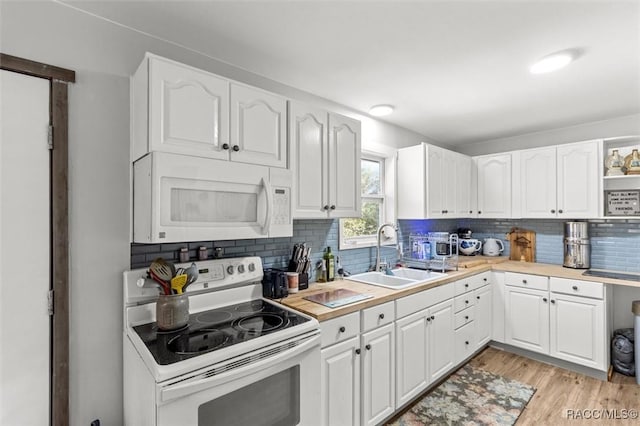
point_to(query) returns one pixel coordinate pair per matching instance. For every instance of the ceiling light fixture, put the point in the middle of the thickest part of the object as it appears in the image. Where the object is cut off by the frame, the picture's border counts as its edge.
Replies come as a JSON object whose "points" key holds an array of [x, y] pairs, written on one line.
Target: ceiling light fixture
{"points": [[380, 110], [553, 62]]}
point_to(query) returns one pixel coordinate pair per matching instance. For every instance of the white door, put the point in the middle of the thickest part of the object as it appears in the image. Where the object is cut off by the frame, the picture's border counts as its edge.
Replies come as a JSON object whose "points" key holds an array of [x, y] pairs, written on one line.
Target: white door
{"points": [[411, 356], [340, 383], [538, 182], [344, 166], [258, 127], [463, 186], [435, 181], [188, 110], [494, 186], [308, 150], [527, 319], [578, 180], [441, 339], [378, 374], [24, 250], [483, 315], [577, 330]]}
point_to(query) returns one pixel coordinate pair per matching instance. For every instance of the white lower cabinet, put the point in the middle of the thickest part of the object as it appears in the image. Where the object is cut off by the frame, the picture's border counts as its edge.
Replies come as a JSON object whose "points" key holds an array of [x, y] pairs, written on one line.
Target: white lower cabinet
{"points": [[341, 383], [465, 340], [567, 321], [378, 374], [483, 321], [527, 315], [424, 343]]}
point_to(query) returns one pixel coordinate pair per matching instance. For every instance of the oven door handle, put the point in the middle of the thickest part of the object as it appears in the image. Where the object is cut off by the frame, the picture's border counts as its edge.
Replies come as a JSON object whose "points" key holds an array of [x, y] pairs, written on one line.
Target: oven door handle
{"points": [[204, 381]]}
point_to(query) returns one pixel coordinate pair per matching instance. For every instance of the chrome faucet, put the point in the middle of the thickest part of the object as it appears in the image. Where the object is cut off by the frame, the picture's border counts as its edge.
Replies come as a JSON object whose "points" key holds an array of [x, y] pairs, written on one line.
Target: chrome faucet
{"points": [[384, 225]]}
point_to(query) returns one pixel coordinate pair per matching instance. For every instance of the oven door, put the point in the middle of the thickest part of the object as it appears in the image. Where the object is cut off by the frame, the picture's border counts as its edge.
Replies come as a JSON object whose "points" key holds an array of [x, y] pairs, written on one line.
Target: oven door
{"points": [[274, 386]]}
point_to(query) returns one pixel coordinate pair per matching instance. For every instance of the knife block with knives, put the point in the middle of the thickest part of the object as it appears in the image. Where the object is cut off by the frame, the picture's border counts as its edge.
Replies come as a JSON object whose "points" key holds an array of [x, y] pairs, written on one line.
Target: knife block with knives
{"points": [[300, 262]]}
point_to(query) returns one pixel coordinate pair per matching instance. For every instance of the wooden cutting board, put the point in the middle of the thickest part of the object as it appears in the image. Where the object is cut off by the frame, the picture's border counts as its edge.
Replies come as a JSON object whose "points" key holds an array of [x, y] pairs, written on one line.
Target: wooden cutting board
{"points": [[523, 244]]}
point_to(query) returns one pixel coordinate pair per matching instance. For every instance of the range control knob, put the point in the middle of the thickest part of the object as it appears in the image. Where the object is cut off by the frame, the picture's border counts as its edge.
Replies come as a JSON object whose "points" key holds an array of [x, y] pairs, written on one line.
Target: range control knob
{"points": [[230, 269], [252, 267], [241, 269]]}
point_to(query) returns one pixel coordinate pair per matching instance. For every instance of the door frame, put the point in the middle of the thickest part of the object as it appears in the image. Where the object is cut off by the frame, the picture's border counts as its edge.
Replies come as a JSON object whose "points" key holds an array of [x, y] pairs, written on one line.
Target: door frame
{"points": [[59, 78]]}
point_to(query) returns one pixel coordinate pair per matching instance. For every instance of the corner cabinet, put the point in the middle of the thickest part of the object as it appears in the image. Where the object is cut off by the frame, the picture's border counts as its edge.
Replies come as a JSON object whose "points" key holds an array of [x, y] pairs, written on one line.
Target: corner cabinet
{"points": [[325, 160], [494, 186], [561, 181], [436, 183], [183, 110]]}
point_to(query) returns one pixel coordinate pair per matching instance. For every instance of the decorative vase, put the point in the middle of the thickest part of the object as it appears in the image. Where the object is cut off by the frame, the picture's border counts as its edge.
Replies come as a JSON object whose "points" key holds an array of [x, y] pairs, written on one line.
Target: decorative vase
{"points": [[614, 164], [632, 163]]}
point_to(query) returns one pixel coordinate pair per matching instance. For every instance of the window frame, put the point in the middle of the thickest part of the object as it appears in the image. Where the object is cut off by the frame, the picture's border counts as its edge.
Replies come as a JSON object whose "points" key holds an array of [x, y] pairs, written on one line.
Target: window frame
{"points": [[382, 198]]}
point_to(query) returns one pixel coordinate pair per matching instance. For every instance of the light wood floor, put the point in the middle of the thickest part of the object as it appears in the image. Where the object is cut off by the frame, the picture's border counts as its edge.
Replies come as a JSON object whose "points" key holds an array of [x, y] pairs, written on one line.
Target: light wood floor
{"points": [[560, 390]]}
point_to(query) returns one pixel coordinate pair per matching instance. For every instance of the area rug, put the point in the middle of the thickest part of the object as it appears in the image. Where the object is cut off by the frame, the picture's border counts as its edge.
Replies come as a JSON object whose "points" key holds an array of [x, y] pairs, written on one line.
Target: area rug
{"points": [[470, 396]]}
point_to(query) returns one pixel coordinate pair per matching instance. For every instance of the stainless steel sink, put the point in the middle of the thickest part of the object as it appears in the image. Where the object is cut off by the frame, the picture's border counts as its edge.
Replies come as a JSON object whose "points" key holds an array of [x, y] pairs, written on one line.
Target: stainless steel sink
{"points": [[401, 278]]}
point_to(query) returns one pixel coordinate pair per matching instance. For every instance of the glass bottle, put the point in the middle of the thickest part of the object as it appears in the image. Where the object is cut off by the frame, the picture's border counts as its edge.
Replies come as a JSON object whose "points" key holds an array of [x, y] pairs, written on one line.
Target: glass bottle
{"points": [[614, 164], [330, 268]]}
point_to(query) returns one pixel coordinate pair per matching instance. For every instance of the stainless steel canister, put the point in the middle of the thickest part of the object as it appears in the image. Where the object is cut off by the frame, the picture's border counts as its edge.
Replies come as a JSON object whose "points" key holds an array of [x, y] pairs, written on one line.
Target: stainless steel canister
{"points": [[577, 246]]}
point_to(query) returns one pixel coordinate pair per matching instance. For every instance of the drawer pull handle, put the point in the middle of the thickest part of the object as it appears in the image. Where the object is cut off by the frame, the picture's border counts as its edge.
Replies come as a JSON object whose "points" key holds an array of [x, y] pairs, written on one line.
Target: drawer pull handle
{"points": [[466, 317], [484, 279], [478, 297], [432, 317], [524, 281], [575, 287], [429, 319], [358, 351], [236, 148], [381, 316], [466, 285], [333, 207], [544, 299], [342, 329], [560, 211], [368, 347], [466, 302], [466, 342], [553, 301], [325, 207]]}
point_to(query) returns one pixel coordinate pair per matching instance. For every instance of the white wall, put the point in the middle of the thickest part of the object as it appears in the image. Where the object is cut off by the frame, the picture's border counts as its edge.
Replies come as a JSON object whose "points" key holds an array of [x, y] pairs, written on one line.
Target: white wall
{"points": [[103, 56], [620, 126]]}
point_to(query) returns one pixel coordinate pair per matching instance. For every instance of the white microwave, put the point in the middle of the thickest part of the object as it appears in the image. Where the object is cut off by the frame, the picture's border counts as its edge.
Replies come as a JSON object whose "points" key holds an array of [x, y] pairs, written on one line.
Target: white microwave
{"points": [[184, 198]]}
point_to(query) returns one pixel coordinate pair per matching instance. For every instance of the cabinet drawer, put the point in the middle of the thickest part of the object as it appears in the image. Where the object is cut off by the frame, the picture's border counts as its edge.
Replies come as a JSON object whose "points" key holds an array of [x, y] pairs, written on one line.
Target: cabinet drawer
{"points": [[464, 317], [577, 287], [537, 282], [464, 285], [464, 343], [338, 329], [464, 301], [480, 280], [416, 302], [377, 316]]}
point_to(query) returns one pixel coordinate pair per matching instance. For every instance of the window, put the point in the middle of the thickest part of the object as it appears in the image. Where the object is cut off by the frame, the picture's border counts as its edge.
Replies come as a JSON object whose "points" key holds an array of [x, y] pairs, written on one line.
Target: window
{"points": [[361, 232]]}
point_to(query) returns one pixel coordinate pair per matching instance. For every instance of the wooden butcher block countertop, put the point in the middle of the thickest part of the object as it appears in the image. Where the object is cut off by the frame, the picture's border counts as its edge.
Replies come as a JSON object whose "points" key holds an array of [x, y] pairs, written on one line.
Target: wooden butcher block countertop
{"points": [[467, 266]]}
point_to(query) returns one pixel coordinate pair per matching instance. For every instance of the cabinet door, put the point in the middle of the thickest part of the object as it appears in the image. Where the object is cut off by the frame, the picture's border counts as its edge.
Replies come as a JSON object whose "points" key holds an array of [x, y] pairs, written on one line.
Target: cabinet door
{"points": [[412, 182], [258, 127], [483, 319], [465, 343], [378, 374], [578, 180], [188, 110], [498, 308], [344, 166], [463, 186], [577, 330], [411, 356], [449, 178], [494, 186], [527, 319], [308, 135], [435, 182], [340, 383], [441, 339], [538, 182]]}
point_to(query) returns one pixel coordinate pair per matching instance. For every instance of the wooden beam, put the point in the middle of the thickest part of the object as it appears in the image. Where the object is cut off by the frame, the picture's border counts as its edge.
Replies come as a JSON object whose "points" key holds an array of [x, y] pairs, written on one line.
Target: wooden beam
{"points": [[36, 69]]}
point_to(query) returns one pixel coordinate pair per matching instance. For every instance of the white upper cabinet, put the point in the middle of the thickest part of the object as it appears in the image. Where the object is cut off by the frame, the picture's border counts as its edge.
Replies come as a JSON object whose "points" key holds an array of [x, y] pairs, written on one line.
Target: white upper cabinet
{"points": [[325, 159], [258, 127], [182, 110], [560, 181], [433, 183], [494, 185]]}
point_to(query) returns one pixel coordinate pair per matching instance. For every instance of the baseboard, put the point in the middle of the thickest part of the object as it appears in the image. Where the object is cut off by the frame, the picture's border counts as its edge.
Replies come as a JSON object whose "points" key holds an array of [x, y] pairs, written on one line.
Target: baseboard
{"points": [[587, 371]]}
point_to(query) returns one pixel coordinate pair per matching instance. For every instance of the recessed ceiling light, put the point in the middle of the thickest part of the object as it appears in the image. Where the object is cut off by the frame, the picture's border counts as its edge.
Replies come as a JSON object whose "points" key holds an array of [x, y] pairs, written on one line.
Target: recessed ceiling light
{"points": [[552, 62], [380, 110]]}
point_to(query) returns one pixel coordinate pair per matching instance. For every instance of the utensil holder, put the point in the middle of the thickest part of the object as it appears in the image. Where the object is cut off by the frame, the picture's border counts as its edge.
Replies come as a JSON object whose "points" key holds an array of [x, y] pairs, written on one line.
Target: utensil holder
{"points": [[172, 311]]}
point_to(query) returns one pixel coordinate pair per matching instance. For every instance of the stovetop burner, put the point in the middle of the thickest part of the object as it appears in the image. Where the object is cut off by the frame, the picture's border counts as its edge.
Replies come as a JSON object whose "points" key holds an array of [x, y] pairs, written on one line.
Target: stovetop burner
{"points": [[216, 329]]}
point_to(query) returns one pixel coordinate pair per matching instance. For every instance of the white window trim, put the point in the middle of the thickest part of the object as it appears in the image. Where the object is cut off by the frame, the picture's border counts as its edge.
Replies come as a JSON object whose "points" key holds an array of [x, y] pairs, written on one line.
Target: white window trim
{"points": [[387, 180]]}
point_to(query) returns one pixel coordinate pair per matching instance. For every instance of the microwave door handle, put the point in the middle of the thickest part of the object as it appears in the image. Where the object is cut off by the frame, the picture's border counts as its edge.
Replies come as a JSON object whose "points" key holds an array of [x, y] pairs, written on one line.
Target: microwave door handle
{"points": [[266, 228], [185, 388]]}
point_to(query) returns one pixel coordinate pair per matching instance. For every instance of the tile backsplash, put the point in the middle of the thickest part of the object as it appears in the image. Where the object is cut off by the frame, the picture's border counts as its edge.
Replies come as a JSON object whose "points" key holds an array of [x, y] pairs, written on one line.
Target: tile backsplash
{"points": [[615, 244]]}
